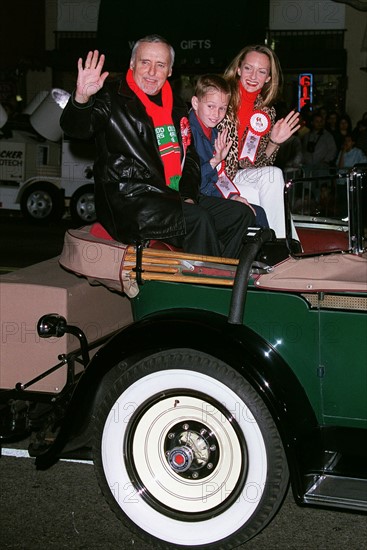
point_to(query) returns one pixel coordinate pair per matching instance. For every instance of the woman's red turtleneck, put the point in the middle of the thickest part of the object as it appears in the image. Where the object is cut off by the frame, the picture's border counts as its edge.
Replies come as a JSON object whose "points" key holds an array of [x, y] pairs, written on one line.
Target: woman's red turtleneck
{"points": [[245, 110]]}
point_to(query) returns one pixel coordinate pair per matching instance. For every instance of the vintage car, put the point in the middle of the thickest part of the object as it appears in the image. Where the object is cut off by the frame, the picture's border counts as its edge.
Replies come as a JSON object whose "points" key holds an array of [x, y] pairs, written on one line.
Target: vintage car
{"points": [[208, 384]]}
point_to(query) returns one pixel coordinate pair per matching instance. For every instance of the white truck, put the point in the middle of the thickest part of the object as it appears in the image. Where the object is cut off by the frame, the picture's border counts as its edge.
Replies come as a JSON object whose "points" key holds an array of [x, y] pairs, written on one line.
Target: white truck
{"points": [[43, 177]]}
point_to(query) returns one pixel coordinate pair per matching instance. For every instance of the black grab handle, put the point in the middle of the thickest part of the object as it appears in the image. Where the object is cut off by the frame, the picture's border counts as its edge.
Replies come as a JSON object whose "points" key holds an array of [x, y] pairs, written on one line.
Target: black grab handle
{"points": [[255, 238]]}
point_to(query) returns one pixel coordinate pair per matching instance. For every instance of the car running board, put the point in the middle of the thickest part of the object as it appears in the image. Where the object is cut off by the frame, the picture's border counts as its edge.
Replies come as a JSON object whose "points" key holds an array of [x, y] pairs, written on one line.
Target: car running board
{"points": [[338, 492]]}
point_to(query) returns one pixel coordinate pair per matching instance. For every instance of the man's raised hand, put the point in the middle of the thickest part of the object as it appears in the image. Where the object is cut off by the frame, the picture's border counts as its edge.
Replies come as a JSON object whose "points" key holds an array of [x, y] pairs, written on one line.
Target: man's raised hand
{"points": [[90, 77]]}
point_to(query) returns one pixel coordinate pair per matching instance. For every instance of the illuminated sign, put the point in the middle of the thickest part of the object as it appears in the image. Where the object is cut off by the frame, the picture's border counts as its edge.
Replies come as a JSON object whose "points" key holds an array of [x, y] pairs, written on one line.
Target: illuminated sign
{"points": [[305, 90]]}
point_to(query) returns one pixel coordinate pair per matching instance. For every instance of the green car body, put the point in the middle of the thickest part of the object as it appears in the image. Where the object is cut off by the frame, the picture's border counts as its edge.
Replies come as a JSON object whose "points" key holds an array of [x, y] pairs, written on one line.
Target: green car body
{"points": [[225, 385], [310, 340]]}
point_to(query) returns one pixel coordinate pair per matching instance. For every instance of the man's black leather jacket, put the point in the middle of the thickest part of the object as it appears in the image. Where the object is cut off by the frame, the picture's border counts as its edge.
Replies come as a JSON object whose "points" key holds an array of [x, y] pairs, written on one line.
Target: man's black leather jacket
{"points": [[133, 202]]}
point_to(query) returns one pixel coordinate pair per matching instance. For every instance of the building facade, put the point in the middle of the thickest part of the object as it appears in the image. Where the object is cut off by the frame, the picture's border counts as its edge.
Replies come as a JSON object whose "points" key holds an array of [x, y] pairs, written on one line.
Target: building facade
{"points": [[325, 39]]}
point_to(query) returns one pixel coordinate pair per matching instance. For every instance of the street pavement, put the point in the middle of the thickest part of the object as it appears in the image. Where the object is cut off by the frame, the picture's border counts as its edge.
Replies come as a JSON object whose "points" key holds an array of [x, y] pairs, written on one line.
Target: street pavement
{"points": [[63, 508], [23, 243]]}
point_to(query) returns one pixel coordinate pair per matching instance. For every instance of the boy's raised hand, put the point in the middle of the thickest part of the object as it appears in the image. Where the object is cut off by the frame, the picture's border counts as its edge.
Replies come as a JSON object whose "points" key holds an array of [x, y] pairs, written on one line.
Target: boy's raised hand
{"points": [[222, 145], [90, 78]]}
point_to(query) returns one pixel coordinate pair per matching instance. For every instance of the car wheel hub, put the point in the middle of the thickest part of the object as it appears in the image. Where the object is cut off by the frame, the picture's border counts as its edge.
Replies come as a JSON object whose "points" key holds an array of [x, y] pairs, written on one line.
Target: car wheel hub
{"points": [[39, 204], [192, 450], [86, 207], [179, 448]]}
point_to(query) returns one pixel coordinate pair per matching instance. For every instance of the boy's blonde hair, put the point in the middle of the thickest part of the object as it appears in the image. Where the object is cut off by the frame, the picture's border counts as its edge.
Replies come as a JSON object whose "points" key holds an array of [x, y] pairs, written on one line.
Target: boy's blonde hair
{"points": [[208, 83]]}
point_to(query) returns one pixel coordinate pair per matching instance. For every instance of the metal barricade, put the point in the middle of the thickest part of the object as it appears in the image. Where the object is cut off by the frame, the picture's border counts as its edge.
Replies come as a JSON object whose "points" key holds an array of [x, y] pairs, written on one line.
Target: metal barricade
{"points": [[357, 207], [337, 201]]}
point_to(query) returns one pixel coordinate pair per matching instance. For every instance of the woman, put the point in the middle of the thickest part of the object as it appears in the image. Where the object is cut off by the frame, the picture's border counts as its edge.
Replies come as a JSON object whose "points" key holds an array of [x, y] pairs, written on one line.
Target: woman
{"points": [[255, 78], [344, 129]]}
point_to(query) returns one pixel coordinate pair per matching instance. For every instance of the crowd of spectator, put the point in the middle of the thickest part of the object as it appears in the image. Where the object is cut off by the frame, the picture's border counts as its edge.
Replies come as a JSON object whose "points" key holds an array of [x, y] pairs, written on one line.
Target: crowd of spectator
{"points": [[327, 141], [327, 144]]}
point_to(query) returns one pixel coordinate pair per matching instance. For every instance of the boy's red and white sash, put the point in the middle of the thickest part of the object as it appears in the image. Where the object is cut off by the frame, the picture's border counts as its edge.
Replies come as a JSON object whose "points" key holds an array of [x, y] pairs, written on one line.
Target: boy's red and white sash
{"points": [[224, 183]]}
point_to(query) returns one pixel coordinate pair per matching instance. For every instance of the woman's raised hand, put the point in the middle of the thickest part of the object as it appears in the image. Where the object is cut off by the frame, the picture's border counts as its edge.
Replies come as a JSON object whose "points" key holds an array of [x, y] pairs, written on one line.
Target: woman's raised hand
{"points": [[285, 127], [90, 77]]}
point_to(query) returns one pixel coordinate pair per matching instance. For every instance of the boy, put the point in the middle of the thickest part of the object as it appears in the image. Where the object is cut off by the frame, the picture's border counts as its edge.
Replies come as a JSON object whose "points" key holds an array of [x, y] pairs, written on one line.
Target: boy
{"points": [[209, 107], [349, 154]]}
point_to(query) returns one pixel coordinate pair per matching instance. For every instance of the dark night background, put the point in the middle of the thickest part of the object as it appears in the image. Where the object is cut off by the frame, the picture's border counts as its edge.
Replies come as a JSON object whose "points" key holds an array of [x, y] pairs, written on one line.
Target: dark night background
{"points": [[121, 23]]}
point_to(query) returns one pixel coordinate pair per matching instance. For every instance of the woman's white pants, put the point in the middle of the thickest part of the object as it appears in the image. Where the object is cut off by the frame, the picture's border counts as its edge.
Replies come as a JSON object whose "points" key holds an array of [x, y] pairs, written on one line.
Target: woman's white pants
{"points": [[264, 186]]}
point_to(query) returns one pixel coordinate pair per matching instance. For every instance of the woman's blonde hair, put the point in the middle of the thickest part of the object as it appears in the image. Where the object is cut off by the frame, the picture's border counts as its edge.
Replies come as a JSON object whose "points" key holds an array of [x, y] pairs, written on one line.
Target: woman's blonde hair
{"points": [[270, 90]]}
